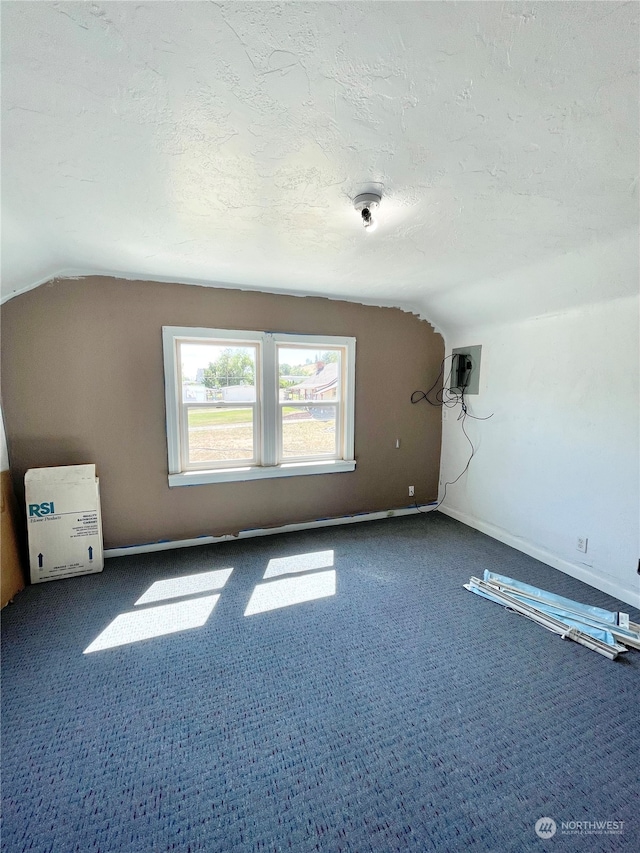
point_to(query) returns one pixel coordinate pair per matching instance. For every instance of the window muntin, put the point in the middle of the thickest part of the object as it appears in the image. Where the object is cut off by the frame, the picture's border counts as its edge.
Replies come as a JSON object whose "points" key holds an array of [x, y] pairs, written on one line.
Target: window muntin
{"points": [[279, 405]]}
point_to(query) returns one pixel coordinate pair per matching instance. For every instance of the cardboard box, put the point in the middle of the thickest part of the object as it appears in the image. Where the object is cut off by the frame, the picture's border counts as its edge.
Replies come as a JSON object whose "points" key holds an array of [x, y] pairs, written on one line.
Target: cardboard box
{"points": [[63, 522]]}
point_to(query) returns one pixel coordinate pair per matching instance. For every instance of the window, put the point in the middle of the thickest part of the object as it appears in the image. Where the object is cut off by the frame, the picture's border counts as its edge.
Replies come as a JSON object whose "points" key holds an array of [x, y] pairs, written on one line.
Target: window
{"points": [[249, 405]]}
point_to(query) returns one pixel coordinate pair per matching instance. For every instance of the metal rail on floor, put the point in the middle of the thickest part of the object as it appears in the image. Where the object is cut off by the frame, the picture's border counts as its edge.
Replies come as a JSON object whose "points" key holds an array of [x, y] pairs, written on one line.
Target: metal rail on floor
{"points": [[549, 622]]}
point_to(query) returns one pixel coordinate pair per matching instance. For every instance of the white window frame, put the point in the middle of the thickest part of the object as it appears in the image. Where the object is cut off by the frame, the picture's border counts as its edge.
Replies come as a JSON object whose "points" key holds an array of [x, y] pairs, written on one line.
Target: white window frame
{"points": [[267, 426]]}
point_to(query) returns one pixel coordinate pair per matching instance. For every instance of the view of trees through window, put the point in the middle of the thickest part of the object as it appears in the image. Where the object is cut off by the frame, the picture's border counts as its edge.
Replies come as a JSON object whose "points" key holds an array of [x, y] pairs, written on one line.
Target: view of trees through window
{"points": [[234, 366]]}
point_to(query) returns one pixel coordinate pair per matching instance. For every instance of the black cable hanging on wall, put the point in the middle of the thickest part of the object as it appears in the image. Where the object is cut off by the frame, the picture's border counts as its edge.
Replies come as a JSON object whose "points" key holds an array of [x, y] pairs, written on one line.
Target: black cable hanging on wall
{"points": [[447, 397]]}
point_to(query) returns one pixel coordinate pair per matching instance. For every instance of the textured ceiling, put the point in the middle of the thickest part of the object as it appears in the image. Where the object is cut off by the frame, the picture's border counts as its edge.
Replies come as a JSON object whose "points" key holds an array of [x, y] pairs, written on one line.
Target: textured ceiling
{"points": [[222, 143]]}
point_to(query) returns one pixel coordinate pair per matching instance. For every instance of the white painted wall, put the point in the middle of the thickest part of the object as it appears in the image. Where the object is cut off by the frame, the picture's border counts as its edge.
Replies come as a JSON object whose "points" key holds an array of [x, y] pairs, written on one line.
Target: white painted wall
{"points": [[560, 457]]}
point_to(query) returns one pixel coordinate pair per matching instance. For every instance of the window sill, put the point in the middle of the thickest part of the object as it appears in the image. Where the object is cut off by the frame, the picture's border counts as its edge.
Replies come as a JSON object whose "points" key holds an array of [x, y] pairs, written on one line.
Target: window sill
{"points": [[235, 475]]}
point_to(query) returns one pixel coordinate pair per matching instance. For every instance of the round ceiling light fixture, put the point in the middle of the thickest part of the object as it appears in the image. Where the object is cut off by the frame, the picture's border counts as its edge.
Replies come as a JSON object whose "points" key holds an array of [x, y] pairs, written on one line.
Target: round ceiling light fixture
{"points": [[366, 204]]}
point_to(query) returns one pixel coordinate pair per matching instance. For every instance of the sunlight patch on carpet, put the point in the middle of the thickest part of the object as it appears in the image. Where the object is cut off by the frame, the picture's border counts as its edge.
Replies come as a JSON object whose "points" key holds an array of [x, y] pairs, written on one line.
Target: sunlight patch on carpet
{"points": [[154, 622], [299, 563], [288, 591], [187, 585]]}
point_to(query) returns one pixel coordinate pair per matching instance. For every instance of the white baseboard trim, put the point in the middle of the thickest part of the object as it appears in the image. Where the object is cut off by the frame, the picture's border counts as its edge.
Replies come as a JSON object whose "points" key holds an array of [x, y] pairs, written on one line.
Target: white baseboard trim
{"points": [[171, 544], [611, 587]]}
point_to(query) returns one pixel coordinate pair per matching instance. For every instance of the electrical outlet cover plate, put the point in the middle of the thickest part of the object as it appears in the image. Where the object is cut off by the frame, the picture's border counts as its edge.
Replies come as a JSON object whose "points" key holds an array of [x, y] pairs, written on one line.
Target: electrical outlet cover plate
{"points": [[581, 544]]}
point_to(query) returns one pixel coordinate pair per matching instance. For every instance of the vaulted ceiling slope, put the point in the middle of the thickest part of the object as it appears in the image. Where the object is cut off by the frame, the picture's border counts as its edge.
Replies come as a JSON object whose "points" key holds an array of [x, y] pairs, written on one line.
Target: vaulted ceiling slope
{"points": [[222, 143]]}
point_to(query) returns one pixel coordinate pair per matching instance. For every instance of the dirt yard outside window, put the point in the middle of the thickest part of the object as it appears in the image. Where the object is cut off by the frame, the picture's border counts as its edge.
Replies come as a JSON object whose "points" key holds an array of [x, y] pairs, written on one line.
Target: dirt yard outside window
{"points": [[223, 435]]}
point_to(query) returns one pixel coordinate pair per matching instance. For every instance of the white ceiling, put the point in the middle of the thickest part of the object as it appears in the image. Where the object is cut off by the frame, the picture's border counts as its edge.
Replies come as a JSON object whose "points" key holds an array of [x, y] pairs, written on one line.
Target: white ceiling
{"points": [[222, 143]]}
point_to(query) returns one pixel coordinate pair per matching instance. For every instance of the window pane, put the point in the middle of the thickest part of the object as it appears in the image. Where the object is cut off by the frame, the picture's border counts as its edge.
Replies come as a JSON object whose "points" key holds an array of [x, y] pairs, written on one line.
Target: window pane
{"points": [[220, 434], [218, 371], [308, 431], [307, 374]]}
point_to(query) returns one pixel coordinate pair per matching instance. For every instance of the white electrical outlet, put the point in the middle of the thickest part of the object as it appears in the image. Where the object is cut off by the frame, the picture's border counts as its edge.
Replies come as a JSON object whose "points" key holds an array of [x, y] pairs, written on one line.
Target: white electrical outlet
{"points": [[411, 491], [581, 544]]}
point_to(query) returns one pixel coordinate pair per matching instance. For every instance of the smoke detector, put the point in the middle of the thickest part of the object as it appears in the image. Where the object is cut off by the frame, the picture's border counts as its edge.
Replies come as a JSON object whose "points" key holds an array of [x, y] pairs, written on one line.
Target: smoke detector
{"points": [[366, 204]]}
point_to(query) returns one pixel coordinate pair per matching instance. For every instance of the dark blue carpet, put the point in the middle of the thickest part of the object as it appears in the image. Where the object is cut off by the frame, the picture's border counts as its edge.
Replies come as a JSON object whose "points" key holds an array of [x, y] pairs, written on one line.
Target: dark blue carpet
{"points": [[401, 714]]}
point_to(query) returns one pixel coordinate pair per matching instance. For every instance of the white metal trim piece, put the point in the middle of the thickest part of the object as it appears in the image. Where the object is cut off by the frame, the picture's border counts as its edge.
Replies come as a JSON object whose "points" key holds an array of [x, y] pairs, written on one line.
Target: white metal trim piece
{"points": [[556, 626], [625, 635]]}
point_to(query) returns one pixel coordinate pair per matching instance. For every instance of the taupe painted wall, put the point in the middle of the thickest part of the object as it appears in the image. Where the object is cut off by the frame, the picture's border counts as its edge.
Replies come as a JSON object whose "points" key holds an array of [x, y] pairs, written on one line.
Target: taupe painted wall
{"points": [[82, 381]]}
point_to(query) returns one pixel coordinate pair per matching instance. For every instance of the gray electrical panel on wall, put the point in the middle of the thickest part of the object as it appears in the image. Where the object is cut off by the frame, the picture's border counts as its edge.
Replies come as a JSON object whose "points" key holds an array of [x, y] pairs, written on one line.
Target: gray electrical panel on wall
{"points": [[465, 370]]}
